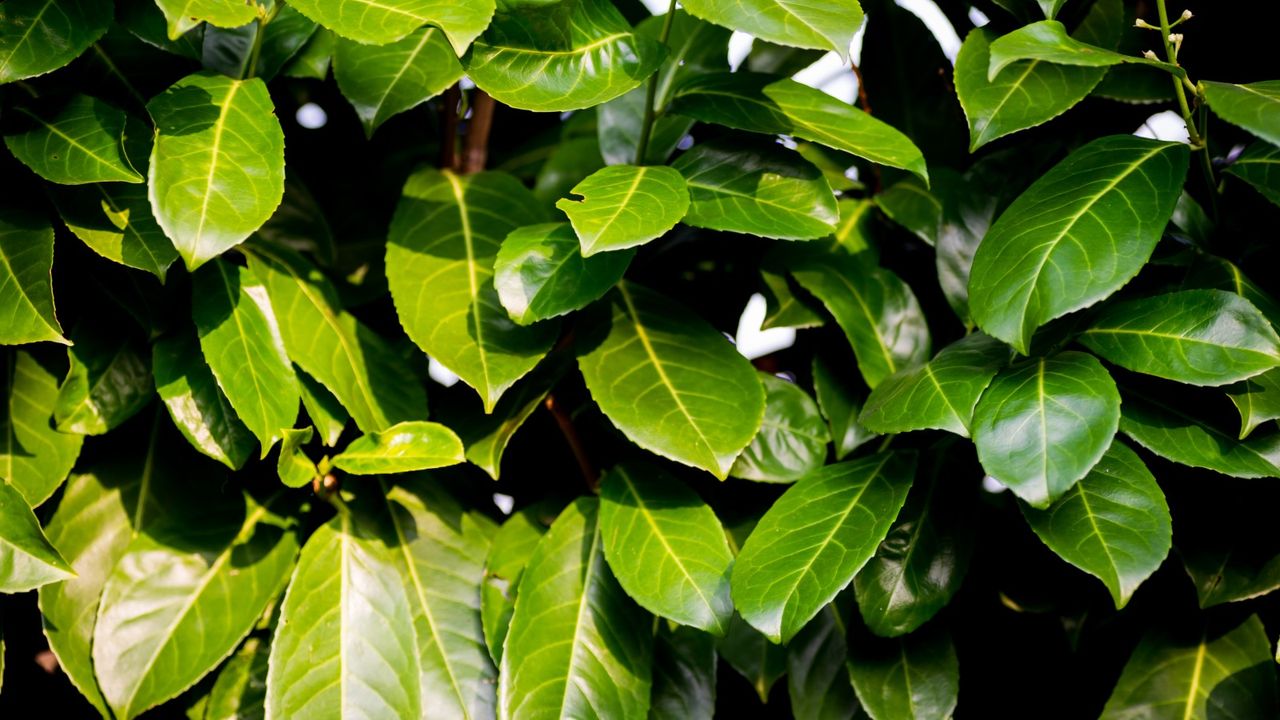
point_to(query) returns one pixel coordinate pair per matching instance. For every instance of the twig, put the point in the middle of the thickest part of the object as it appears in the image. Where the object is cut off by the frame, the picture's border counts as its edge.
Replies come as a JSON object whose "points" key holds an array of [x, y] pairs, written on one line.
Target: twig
{"points": [[476, 151], [862, 88], [570, 432], [651, 95], [449, 159]]}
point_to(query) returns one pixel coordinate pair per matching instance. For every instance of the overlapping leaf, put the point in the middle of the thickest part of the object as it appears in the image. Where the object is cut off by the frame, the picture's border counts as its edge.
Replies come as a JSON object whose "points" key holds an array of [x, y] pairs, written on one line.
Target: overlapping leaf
{"points": [[1259, 166], [379, 22], [109, 380], [793, 437], [509, 553], [540, 272], [403, 447], [26, 291], [829, 26], [115, 220], [182, 15], [1172, 433], [381, 81], [27, 559], [909, 678], [196, 403], [624, 206], [34, 458], [77, 142], [1254, 107]]}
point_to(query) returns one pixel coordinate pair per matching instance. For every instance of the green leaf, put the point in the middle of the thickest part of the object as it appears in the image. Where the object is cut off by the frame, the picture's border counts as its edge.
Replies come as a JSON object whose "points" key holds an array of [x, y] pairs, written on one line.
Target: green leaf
{"points": [[877, 311], [941, 394], [1188, 440], [922, 561], [1048, 41], [115, 221], [783, 304], [381, 81], [817, 674], [323, 409], [34, 458], [826, 26], [755, 658], [815, 538], [1114, 524], [1257, 399], [217, 168], [243, 351], [910, 204], [37, 36], [623, 206], [1208, 675], [792, 440], [27, 560], [313, 59], [241, 688], [916, 677], [336, 349], [293, 466], [1041, 426], [684, 674], [485, 435], [75, 142], [556, 56], [1254, 107], [1259, 166], [26, 291], [666, 547], [1225, 546], [1076, 235], [347, 601], [195, 402], [840, 405], [659, 360], [446, 232], [1199, 337], [228, 50], [403, 447], [182, 15], [379, 22], [780, 106], [751, 186], [177, 604], [541, 273], [509, 552], [109, 380], [577, 645]]}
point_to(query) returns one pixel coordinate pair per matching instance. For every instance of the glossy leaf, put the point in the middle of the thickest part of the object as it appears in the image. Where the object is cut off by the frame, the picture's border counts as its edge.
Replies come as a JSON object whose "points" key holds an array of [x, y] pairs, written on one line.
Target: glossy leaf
{"points": [[241, 688], [182, 15], [1253, 107], [684, 674], [37, 36], [817, 672], [577, 645], [485, 435], [27, 560], [815, 538], [80, 141], [666, 547], [540, 272], [196, 404], [1259, 166], [327, 415], [1048, 41], [1182, 438], [313, 59], [560, 55], [381, 81], [444, 237], [829, 26], [403, 447], [115, 221], [660, 360], [26, 262], [766, 104], [1257, 399], [109, 381], [293, 466], [1114, 524], [913, 678], [217, 168], [34, 458], [754, 656], [757, 188], [379, 22], [1076, 235], [793, 438], [509, 553], [228, 50], [910, 204], [623, 206], [840, 405]]}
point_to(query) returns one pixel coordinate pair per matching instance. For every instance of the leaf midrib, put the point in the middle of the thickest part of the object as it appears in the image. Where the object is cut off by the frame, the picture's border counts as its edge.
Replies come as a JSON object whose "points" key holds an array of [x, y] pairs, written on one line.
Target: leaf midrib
{"points": [[214, 151], [35, 22], [73, 142]]}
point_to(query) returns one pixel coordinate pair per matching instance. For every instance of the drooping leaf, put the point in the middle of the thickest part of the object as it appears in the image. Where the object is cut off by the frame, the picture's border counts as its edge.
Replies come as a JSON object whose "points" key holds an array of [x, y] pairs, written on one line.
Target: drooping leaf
{"points": [[783, 304], [815, 538], [753, 655], [381, 81], [293, 465], [509, 553], [115, 221], [196, 403], [313, 59], [379, 22], [828, 26], [403, 447], [1114, 524], [485, 435], [27, 559], [26, 291], [916, 677], [444, 237], [1040, 427], [1173, 434], [793, 438], [109, 380], [624, 206], [817, 671], [327, 415], [240, 692], [666, 547], [217, 168], [1259, 166], [182, 15], [560, 55], [540, 272], [941, 394], [75, 142], [1254, 107], [767, 104], [840, 405], [1257, 399], [684, 674], [750, 186], [1076, 235], [968, 209], [568, 593], [1048, 41], [37, 36], [34, 458], [660, 360]]}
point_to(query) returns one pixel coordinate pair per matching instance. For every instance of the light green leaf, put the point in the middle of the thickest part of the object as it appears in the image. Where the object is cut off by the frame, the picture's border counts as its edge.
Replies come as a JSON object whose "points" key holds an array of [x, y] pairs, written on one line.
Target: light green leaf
{"points": [[1114, 524], [26, 290], [623, 206], [756, 187], [1199, 337], [877, 311], [1041, 426], [817, 672], [115, 221], [684, 674], [1188, 440], [660, 360], [34, 458], [195, 402], [666, 547], [825, 26], [323, 409], [182, 15], [541, 273], [1048, 41], [37, 36], [556, 56], [840, 404], [1254, 107], [1259, 165], [578, 646], [27, 560], [109, 380], [240, 691], [1198, 676], [792, 440], [916, 677], [381, 81], [293, 466], [1076, 235], [378, 22], [403, 447], [815, 538], [1257, 399], [346, 357], [941, 394], [217, 168], [444, 237], [510, 551], [780, 106], [75, 142], [755, 658]]}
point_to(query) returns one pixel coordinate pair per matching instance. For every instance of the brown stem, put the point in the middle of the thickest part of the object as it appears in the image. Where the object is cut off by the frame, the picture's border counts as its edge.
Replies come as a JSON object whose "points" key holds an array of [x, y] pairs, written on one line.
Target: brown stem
{"points": [[575, 442], [449, 129], [477, 147], [862, 89]]}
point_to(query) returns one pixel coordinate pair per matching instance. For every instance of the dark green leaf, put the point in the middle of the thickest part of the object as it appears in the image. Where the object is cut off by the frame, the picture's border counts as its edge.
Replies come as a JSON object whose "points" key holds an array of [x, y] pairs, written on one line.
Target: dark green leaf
{"points": [[228, 50], [195, 402], [623, 206], [1259, 165], [757, 659], [1254, 107], [323, 409], [910, 204], [109, 380], [381, 81], [840, 405], [793, 438], [817, 671], [403, 447], [37, 36], [541, 273], [684, 674], [26, 292], [916, 677], [313, 59], [240, 692], [1257, 399], [1185, 439]]}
